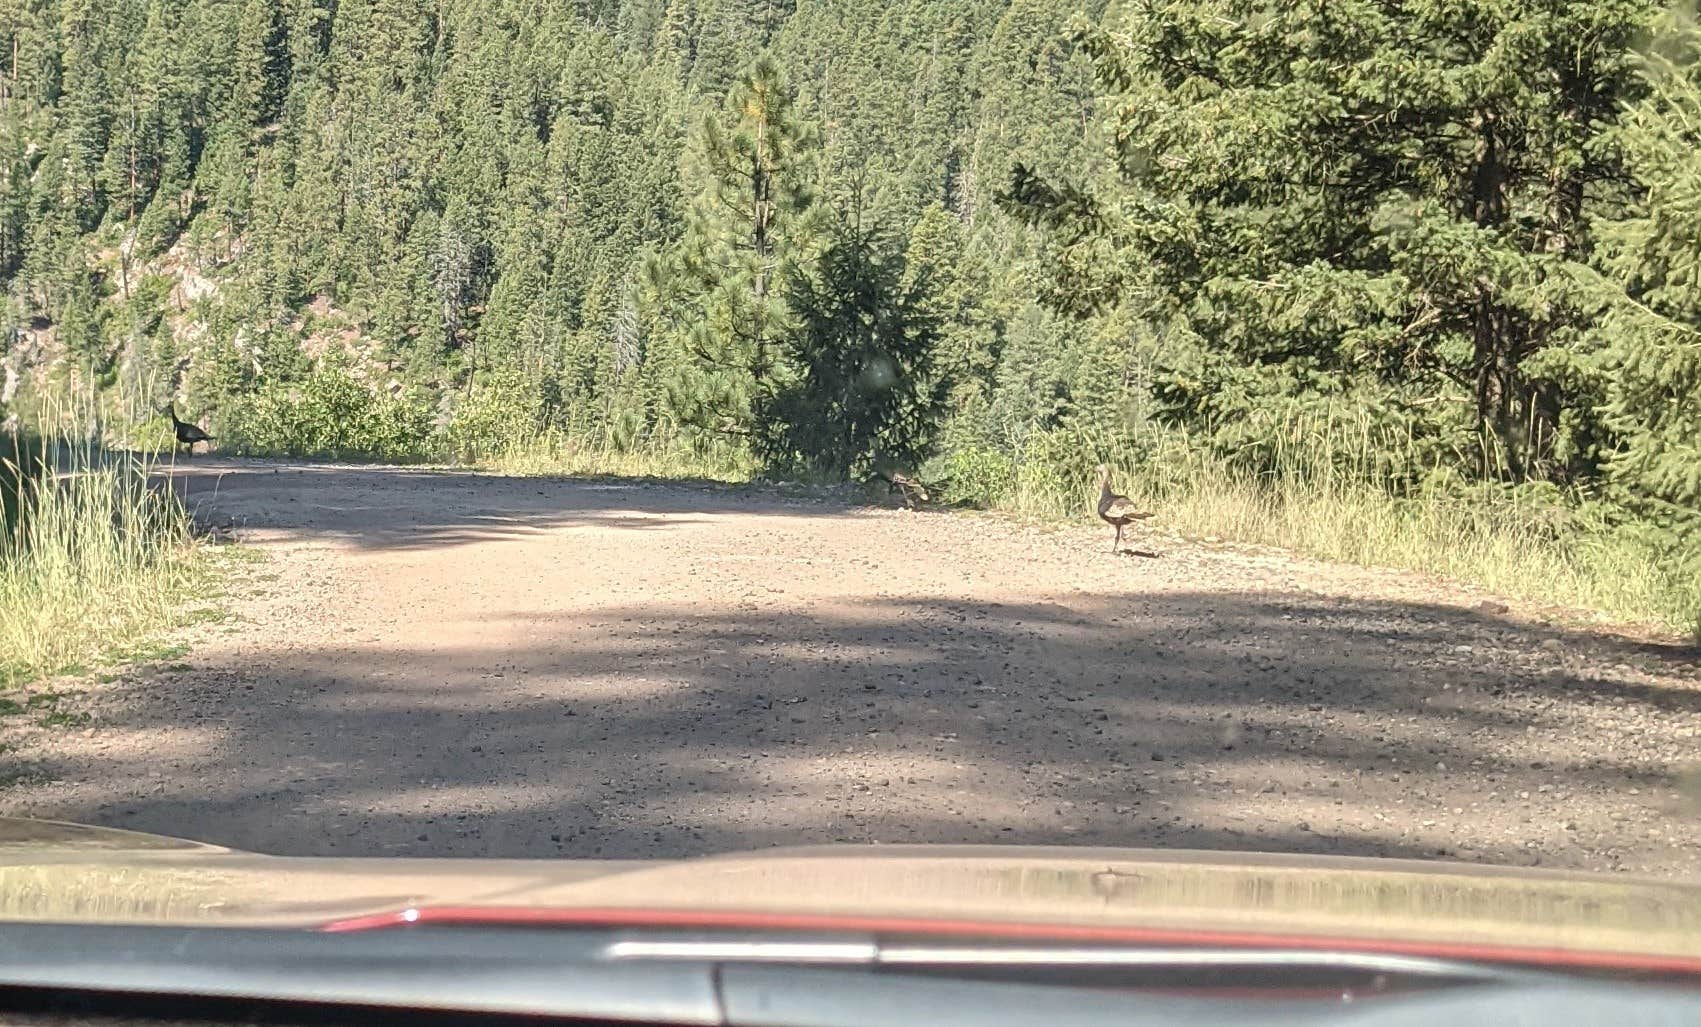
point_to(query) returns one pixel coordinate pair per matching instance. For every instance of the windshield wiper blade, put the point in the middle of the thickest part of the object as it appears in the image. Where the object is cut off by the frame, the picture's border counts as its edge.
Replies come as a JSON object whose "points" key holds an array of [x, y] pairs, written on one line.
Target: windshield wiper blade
{"points": [[945, 956]]}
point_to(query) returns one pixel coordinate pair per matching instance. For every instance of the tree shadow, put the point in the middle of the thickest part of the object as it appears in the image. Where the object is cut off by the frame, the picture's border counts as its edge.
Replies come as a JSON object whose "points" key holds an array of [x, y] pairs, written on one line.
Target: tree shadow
{"points": [[1193, 720], [404, 508]]}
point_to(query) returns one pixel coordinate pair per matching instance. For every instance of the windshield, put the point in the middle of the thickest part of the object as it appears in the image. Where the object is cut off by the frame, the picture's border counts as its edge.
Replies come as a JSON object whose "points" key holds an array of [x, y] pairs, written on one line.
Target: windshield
{"points": [[640, 430]]}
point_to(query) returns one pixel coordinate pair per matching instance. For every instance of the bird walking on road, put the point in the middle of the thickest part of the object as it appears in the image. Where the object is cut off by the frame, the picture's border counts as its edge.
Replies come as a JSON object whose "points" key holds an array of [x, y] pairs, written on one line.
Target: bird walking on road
{"points": [[187, 434], [1116, 510]]}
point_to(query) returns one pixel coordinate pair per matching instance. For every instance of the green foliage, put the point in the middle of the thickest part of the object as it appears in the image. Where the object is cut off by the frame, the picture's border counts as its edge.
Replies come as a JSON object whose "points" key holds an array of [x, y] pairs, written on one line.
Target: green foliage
{"points": [[327, 414], [1471, 225], [1642, 369], [503, 413], [973, 475], [1371, 203], [750, 229], [861, 391], [950, 280]]}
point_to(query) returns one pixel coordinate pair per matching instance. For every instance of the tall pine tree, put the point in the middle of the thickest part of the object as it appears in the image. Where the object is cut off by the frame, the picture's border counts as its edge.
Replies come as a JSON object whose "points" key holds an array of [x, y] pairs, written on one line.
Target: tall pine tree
{"points": [[755, 220]]}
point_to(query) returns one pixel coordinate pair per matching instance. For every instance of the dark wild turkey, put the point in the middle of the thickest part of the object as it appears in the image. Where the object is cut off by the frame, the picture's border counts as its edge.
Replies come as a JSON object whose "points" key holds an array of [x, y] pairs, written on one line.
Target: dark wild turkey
{"points": [[1116, 510], [187, 434]]}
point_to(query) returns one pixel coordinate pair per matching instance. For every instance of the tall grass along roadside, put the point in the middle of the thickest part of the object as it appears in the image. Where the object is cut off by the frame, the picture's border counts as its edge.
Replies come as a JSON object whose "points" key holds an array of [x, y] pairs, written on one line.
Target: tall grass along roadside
{"points": [[1319, 490], [92, 558]]}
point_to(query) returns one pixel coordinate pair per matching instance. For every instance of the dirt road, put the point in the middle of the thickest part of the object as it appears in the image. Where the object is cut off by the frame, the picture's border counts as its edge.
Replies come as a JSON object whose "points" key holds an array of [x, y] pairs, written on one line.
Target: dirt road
{"points": [[443, 663]]}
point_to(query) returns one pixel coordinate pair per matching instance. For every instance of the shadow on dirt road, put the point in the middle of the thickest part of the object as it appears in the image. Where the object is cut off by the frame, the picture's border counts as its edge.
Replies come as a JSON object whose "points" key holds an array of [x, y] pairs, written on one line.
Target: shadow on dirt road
{"points": [[380, 507], [1192, 720]]}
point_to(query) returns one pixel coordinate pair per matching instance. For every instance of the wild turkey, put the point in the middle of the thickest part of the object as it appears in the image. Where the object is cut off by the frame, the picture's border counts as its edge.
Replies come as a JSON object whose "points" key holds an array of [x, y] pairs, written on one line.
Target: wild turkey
{"points": [[187, 434], [906, 486], [1114, 509]]}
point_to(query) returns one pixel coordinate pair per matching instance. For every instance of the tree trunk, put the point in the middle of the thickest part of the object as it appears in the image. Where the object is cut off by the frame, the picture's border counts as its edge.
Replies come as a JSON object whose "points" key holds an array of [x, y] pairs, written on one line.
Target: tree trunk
{"points": [[1495, 348], [1565, 240], [761, 188]]}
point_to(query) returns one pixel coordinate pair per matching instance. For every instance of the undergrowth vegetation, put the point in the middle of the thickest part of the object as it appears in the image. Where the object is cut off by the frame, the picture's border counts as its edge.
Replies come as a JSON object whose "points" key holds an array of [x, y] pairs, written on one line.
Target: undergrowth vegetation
{"points": [[328, 414]]}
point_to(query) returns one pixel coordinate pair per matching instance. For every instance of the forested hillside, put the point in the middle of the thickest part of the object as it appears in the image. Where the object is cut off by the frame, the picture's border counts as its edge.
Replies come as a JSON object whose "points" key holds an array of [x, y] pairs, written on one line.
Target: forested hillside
{"points": [[1425, 249], [497, 204]]}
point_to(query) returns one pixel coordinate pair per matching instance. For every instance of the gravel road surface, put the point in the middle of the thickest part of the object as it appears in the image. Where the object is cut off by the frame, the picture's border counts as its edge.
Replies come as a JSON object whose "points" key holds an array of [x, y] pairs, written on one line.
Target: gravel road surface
{"points": [[450, 663]]}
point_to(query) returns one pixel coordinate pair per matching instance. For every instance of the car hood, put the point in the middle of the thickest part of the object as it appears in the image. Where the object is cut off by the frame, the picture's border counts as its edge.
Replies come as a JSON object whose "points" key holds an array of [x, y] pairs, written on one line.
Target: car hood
{"points": [[70, 873]]}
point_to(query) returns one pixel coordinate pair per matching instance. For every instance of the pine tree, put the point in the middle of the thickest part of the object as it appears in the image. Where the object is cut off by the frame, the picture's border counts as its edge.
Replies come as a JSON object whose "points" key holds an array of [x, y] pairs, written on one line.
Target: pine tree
{"points": [[14, 190], [260, 66], [1643, 369], [755, 221], [728, 31], [161, 96], [951, 283], [1371, 201], [639, 23], [85, 105], [1027, 79], [676, 40], [865, 392]]}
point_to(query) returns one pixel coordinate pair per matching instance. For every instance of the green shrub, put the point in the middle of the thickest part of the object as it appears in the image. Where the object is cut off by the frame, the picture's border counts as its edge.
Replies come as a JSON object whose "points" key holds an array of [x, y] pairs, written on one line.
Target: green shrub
{"points": [[328, 414], [501, 414], [973, 475]]}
